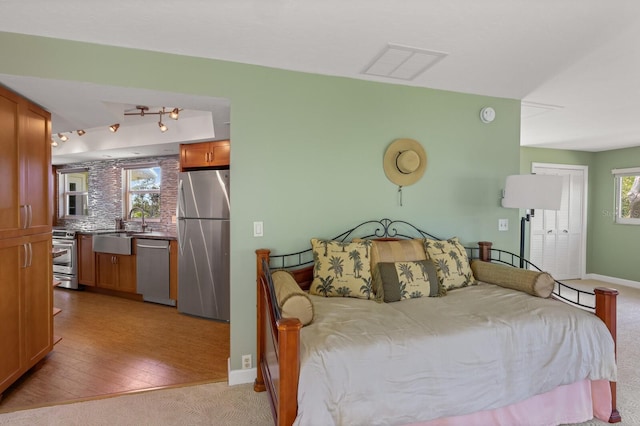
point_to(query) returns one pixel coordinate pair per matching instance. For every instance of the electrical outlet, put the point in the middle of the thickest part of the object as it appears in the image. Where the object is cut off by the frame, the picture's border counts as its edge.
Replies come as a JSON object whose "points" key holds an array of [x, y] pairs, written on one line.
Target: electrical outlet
{"points": [[503, 224], [246, 362]]}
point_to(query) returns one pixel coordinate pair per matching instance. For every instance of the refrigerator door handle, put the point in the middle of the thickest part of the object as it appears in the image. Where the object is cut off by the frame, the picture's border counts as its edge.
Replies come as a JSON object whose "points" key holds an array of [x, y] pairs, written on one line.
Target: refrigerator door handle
{"points": [[181, 235], [181, 199]]}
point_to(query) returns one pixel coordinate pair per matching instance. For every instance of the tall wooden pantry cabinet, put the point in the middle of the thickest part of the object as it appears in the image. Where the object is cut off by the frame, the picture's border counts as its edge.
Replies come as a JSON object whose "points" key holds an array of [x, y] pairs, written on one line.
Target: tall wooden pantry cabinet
{"points": [[26, 291]]}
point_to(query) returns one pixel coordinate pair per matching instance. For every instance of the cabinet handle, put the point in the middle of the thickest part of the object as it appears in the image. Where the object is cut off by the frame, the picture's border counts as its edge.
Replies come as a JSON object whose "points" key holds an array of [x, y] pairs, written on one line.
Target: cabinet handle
{"points": [[30, 215], [23, 222], [26, 256], [30, 255]]}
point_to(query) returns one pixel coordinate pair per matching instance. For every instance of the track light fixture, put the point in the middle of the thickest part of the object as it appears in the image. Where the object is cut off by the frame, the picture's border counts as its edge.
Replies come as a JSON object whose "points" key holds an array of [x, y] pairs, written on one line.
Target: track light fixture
{"points": [[144, 110], [54, 143], [114, 127], [80, 132], [62, 137]]}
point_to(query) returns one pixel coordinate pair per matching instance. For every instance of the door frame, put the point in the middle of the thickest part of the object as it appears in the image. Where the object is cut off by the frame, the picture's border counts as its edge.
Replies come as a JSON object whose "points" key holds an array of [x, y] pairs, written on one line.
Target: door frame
{"points": [[585, 209]]}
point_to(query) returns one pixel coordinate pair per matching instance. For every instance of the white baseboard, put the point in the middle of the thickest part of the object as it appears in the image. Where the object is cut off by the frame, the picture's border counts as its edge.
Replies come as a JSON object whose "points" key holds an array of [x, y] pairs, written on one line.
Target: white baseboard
{"points": [[613, 280], [240, 377]]}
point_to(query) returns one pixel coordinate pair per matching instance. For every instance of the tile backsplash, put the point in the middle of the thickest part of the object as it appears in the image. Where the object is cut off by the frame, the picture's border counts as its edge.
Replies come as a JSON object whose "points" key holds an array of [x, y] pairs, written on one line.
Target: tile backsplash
{"points": [[106, 192]]}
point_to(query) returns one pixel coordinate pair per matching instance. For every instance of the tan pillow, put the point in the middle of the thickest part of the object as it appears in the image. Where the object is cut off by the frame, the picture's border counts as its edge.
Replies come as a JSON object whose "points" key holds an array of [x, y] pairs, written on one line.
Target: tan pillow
{"points": [[397, 251], [535, 283], [451, 262], [341, 269], [293, 302]]}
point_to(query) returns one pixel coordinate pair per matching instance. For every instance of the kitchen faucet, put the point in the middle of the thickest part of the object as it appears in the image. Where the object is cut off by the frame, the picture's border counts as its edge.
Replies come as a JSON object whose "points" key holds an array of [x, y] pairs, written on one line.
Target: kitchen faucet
{"points": [[144, 225]]}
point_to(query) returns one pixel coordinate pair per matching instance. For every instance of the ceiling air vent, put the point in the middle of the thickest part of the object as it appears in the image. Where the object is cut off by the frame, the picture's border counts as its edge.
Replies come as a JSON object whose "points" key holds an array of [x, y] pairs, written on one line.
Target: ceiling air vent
{"points": [[402, 62]]}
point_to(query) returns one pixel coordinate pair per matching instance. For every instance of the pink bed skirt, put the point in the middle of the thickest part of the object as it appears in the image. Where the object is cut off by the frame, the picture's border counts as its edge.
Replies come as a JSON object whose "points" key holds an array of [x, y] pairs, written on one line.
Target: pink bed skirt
{"points": [[574, 403]]}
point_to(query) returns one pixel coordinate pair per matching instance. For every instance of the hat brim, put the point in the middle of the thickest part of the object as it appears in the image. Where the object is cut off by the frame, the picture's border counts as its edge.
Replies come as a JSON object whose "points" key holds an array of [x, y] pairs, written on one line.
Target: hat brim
{"points": [[389, 162]]}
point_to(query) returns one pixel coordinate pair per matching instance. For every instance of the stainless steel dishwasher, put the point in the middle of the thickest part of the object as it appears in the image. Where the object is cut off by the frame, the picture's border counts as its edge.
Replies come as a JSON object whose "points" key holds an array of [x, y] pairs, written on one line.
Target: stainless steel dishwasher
{"points": [[153, 271]]}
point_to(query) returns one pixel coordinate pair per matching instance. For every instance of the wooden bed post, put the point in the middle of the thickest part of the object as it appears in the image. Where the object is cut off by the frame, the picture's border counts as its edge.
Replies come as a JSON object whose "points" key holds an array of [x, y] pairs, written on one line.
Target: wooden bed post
{"points": [[289, 364], [485, 250], [258, 385], [606, 310]]}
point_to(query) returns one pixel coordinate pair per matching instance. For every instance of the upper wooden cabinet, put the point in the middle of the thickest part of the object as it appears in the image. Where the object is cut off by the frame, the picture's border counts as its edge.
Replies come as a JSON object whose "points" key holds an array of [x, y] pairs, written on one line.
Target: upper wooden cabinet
{"points": [[25, 161], [204, 154]]}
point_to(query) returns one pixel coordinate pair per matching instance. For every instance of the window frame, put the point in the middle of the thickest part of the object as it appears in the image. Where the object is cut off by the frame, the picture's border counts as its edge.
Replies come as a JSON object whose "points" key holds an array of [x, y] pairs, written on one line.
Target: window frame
{"points": [[126, 192], [64, 194], [618, 175]]}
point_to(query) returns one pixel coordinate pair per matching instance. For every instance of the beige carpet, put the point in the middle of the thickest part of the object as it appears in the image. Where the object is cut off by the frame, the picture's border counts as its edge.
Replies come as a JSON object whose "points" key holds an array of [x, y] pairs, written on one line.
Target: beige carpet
{"points": [[219, 404]]}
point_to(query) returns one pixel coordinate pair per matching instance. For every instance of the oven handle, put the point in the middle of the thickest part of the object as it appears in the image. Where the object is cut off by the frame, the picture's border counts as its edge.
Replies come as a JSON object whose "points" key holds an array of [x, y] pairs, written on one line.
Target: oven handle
{"points": [[63, 243]]}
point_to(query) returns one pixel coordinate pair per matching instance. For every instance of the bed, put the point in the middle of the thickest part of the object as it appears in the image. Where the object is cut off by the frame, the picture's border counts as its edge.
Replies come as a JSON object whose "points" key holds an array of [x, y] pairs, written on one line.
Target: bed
{"points": [[435, 360]]}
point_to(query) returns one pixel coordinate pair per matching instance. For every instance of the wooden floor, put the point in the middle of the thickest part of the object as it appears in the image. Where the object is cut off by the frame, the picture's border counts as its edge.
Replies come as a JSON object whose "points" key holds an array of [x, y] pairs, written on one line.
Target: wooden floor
{"points": [[113, 345]]}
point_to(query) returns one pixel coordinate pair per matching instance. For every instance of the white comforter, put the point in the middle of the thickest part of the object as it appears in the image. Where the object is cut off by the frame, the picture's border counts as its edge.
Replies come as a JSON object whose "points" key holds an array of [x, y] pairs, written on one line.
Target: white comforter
{"points": [[478, 348]]}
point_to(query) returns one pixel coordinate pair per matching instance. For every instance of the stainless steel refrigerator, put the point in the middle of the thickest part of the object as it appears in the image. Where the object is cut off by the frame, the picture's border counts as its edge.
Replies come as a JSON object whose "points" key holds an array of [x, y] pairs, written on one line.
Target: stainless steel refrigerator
{"points": [[203, 244]]}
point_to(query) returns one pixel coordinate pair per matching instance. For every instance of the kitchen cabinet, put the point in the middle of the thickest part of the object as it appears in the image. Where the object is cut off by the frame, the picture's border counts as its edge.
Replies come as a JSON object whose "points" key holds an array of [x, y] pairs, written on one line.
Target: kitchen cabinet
{"points": [[86, 260], [204, 155], [26, 305], [26, 293], [116, 272], [25, 161]]}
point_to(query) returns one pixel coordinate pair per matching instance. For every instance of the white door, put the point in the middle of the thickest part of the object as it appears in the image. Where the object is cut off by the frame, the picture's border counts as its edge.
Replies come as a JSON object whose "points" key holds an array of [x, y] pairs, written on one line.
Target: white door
{"points": [[557, 237]]}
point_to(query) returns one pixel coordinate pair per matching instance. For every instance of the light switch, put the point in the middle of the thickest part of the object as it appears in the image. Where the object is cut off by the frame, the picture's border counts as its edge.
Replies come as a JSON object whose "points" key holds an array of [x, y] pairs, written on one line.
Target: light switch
{"points": [[503, 224], [257, 229]]}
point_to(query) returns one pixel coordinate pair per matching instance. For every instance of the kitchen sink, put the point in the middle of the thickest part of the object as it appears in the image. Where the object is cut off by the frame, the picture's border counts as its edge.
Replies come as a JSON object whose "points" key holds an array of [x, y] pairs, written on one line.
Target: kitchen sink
{"points": [[116, 243]]}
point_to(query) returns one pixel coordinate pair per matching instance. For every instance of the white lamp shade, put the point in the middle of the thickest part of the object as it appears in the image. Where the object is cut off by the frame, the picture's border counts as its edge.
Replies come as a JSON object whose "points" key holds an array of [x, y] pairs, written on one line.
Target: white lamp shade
{"points": [[533, 192]]}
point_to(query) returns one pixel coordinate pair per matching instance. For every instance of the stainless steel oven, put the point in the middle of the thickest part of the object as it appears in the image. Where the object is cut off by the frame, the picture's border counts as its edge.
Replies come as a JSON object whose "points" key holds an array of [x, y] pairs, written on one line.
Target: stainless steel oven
{"points": [[65, 266]]}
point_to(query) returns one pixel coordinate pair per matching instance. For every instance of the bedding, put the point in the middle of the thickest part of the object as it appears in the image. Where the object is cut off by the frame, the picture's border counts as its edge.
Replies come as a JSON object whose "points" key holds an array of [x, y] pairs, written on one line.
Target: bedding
{"points": [[444, 356]]}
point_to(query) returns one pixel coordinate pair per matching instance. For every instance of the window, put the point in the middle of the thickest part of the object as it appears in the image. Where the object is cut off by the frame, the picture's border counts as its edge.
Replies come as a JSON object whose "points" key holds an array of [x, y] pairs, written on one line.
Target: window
{"points": [[73, 192], [142, 191], [627, 195]]}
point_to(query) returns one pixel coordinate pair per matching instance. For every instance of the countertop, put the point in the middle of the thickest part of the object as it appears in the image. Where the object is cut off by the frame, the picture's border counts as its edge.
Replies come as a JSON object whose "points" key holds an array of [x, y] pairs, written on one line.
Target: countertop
{"points": [[154, 235]]}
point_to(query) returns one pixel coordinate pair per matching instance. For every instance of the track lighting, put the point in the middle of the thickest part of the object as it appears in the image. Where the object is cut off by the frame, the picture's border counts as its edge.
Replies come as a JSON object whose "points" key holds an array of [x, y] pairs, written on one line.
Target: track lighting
{"points": [[54, 143], [80, 132], [114, 127], [144, 110], [174, 113], [163, 127], [62, 137]]}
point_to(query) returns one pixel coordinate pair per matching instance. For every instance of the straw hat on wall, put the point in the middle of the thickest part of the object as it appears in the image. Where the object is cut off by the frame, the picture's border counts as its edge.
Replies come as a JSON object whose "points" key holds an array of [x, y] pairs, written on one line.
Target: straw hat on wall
{"points": [[404, 162]]}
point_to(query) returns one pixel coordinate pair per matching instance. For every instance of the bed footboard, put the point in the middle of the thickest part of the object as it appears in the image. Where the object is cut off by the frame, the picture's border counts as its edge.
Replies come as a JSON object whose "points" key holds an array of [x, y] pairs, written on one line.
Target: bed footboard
{"points": [[278, 350]]}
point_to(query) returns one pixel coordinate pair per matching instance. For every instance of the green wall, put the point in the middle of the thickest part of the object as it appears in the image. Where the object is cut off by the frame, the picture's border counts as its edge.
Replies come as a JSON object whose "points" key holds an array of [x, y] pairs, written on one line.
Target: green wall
{"points": [[307, 150], [614, 247]]}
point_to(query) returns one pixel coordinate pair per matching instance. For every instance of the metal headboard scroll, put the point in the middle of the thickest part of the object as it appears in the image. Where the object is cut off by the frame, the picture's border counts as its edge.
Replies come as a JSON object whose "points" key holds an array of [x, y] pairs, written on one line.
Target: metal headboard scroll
{"points": [[371, 229]]}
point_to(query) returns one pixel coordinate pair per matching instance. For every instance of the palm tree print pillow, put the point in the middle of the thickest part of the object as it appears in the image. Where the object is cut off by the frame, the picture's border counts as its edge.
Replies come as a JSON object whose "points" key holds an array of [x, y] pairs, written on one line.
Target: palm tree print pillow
{"points": [[395, 281], [341, 269], [451, 262]]}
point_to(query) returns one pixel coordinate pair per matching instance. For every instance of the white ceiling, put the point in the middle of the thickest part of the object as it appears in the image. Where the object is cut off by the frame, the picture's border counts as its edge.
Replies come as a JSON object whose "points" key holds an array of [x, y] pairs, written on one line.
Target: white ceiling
{"points": [[574, 63]]}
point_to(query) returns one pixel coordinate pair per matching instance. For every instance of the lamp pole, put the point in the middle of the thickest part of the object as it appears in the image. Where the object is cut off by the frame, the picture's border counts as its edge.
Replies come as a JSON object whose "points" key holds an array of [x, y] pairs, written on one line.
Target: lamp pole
{"points": [[524, 219]]}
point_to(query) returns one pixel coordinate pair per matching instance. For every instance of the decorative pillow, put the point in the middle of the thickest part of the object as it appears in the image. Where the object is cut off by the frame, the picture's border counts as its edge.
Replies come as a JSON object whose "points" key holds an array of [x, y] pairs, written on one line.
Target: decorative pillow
{"points": [[395, 281], [451, 262], [535, 283], [397, 251], [341, 269], [293, 302]]}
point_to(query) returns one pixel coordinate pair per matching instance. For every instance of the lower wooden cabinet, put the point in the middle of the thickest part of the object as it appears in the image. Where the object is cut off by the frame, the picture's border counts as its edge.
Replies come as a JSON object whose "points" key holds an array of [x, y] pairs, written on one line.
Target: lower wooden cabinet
{"points": [[86, 260], [116, 272], [26, 304]]}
